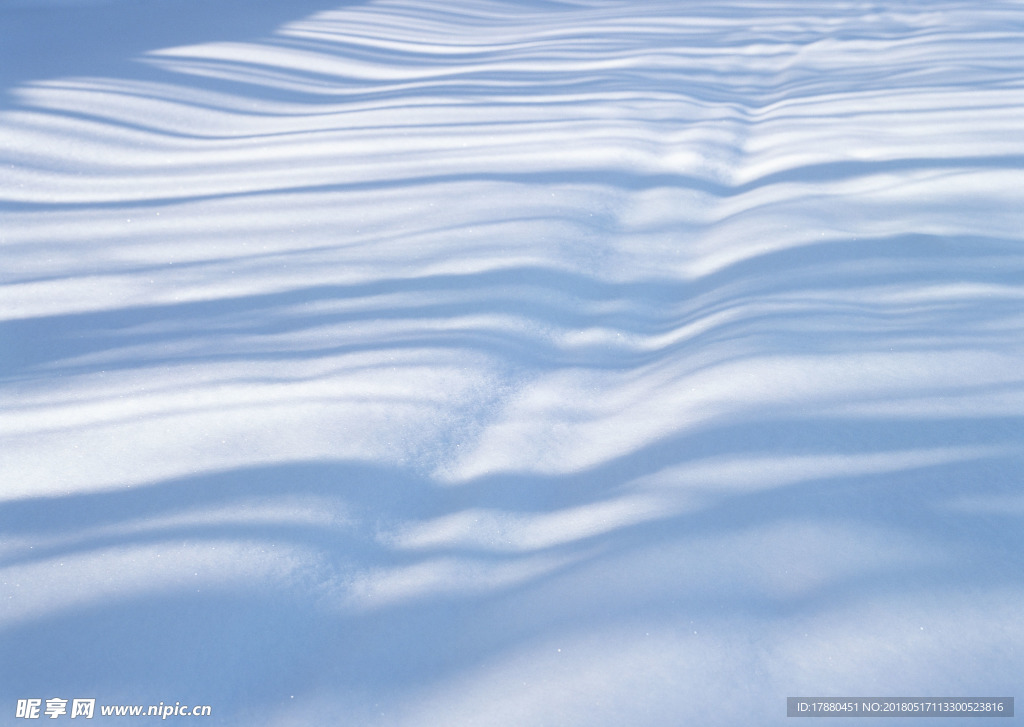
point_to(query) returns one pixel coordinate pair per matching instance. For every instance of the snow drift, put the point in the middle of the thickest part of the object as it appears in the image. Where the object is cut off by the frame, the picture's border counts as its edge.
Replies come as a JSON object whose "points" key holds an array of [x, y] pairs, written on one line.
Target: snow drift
{"points": [[497, 363]]}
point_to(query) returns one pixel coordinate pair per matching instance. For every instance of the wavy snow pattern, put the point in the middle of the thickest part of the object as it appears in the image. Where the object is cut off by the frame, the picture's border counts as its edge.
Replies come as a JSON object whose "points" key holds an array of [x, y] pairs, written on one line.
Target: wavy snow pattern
{"points": [[499, 363]]}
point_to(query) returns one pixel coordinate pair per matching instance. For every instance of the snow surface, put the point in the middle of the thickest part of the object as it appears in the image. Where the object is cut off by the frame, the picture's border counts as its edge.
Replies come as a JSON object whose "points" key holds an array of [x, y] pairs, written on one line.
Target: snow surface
{"points": [[408, 362]]}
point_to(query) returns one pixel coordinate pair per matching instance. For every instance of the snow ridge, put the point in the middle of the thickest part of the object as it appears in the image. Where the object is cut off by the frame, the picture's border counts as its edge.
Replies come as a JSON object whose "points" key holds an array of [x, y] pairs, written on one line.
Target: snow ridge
{"points": [[519, 363]]}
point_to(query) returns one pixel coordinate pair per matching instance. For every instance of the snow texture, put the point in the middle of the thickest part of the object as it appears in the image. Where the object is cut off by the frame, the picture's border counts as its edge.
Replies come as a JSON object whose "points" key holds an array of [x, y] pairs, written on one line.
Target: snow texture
{"points": [[479, 362]]}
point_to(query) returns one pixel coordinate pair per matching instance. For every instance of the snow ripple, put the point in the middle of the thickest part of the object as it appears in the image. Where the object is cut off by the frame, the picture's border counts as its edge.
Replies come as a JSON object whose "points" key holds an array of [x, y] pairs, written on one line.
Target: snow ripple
{"points": [[514, 361]]}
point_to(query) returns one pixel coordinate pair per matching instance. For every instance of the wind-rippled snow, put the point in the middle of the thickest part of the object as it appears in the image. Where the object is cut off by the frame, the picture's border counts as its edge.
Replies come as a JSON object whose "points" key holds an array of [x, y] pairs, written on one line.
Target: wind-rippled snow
{"points": [[496, 363]]}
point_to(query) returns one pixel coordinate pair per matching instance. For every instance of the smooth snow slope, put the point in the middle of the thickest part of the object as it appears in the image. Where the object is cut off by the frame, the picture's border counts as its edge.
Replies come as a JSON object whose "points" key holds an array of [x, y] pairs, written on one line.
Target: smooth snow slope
{"points": [[511, 363]]}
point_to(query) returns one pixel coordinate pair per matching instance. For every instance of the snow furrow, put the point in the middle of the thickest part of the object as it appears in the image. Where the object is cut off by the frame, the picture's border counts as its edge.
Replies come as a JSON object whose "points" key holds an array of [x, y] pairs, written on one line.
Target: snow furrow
{"points": [[516, 363]]}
